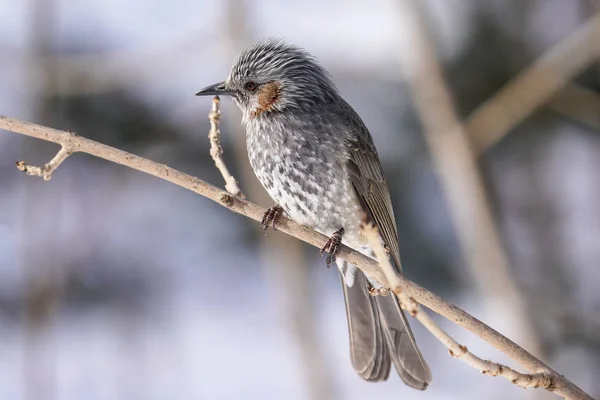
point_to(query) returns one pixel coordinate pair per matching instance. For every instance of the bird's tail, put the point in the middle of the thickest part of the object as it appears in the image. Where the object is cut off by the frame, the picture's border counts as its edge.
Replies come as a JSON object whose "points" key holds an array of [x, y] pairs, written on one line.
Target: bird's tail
{"points": [[380, 335]]}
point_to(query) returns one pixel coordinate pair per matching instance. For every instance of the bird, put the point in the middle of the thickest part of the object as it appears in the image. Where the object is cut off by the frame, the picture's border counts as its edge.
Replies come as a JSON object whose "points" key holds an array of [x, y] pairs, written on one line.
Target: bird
{"points": [[316, 158]]}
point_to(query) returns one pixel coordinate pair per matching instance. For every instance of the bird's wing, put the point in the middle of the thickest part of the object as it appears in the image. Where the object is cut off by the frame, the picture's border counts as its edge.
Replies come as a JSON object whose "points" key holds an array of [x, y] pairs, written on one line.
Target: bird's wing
{"points": [[369, 314], [369, 182]]}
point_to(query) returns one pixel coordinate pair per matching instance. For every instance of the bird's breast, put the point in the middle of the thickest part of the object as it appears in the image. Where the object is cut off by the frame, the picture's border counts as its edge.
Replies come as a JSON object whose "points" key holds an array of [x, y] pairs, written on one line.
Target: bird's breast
{"points": [[305, 177]]}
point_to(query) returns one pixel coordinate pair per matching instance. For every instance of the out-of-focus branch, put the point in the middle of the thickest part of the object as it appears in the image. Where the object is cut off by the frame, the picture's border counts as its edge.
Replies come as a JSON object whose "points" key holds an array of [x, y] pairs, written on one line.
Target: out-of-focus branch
{"points": [[534, 86], [456, 165], [216, 151], [557, 384], [579, 104], [45, 278], [542, 380]]}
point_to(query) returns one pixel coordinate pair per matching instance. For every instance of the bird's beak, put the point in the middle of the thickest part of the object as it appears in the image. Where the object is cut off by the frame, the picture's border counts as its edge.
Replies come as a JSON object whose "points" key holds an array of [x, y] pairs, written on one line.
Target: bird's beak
{"points": [[218, 89]]}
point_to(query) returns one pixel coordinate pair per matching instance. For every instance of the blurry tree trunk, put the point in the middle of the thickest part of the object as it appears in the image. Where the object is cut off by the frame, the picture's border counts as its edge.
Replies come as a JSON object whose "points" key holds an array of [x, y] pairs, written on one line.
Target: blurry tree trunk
{"points": [[553, 285], [283, 257], [40, 218], [460, 178]]}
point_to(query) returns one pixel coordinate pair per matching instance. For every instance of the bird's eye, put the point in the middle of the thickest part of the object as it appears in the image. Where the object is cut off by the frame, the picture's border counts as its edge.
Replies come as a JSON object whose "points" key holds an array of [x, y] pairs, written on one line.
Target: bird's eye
{"points": [[250, 86]]}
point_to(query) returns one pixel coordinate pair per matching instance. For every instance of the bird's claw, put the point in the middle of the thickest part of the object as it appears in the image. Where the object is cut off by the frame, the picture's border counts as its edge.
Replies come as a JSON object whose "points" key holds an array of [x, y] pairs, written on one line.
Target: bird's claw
{"points": [[270, 218], [332, 246]]}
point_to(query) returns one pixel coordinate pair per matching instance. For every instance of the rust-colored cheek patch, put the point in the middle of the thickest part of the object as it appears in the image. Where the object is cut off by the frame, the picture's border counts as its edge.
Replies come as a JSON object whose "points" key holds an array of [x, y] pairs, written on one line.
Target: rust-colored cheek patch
{"points": [[268, 95]]}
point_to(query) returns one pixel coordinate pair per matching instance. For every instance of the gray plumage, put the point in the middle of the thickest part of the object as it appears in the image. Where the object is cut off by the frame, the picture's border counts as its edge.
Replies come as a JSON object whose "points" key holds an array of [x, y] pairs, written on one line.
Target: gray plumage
{"points": [[316, 159]]}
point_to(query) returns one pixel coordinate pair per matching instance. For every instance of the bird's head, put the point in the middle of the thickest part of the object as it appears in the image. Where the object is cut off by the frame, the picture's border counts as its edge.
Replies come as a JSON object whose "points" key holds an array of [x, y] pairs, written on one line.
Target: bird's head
{"points": [[272, 76]]}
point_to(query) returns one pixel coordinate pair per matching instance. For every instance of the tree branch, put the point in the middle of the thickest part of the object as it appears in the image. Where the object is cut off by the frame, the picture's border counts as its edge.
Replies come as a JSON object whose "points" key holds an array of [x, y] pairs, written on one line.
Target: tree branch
{"points": [[542, 380], [559, 384], [216, 151], [47, 170]]}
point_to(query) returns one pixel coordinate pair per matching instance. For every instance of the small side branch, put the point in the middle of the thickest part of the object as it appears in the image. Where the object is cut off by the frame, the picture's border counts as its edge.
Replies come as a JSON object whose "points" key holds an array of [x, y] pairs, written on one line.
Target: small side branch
{"points": [[216, 151], [47, 170], [543, 379]]}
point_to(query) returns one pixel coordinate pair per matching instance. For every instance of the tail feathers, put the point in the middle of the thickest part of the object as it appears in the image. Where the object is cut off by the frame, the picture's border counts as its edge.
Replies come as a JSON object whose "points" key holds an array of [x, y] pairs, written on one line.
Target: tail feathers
{"points": [[402, 347], [368, 349], [380, 335]]}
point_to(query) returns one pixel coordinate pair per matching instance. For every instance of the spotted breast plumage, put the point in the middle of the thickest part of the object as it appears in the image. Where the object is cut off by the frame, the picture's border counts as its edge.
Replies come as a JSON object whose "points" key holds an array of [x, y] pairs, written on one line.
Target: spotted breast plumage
{"points": [[316, 159]]}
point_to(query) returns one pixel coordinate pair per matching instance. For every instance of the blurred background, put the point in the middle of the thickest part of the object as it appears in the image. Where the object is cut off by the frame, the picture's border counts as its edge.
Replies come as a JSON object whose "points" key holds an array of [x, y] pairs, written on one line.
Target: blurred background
{"points": [[116, 285]]}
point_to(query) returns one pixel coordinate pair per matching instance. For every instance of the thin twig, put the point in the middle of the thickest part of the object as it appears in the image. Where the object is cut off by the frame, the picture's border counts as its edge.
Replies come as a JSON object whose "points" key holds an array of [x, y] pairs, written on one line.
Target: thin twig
{"points": [[562, 386], [47, 170], [216, 151], [542, 380]]}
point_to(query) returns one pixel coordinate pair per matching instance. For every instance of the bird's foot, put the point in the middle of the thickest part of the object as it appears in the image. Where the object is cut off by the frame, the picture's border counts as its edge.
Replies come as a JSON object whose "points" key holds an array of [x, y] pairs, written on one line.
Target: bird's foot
{"points": [[332, 246], [270, 218], [373, 291]]}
